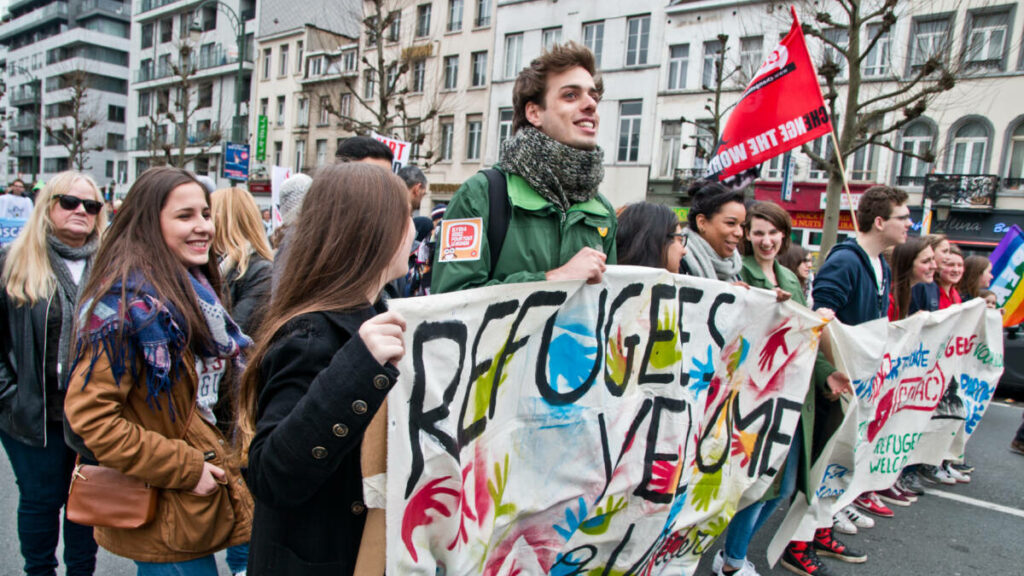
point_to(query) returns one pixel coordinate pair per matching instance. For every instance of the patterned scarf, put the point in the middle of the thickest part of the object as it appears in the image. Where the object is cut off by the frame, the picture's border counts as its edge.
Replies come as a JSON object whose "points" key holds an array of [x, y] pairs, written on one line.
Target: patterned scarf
{"points": [[563, 175], [121, 329], [67, 291], [703, 261]]}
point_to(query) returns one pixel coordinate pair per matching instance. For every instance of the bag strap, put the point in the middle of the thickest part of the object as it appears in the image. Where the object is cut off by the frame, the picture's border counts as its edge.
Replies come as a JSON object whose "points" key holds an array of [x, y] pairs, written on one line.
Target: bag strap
{"points": [[500, 212]]}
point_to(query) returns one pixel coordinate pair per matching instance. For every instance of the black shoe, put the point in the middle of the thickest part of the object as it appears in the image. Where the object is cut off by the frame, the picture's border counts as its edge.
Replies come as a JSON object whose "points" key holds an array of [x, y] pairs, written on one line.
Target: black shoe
{"points": [[800, 558], [826, 545]]}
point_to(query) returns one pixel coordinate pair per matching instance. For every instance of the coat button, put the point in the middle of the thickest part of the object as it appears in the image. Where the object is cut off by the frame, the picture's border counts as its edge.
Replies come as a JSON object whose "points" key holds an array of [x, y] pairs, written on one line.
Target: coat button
{"points": [[340, 430], [381, 382], [359, 407], [358, 508], [319, 452]]}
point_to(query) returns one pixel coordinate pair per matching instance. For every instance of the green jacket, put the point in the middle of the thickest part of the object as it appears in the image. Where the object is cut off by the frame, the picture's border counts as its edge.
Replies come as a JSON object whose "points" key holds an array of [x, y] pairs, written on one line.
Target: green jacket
{"points": [[540, 237], [752, 274]]}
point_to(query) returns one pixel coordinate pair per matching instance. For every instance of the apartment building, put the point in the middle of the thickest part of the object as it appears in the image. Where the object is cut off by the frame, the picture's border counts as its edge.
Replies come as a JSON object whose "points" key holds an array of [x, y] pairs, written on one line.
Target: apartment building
{"points": [[303, 57], [51, 45], [975, 129], [209, 44], [625, 38]]}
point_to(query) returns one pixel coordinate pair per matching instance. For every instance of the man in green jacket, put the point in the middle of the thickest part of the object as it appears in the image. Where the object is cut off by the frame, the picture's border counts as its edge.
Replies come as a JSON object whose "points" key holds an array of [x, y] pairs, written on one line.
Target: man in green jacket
{"points": [[559, 227]]}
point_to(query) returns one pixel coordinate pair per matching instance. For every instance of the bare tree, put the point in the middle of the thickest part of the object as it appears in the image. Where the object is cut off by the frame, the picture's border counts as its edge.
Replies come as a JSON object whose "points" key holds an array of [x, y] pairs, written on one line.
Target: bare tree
{"points": [[175, 110], [77, 118], [870, 115], [389, 110], [708, 130]]}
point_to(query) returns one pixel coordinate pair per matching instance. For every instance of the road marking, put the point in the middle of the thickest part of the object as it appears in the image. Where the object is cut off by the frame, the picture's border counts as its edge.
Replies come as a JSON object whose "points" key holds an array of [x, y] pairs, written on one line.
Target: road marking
{"points": [[978, 503]]}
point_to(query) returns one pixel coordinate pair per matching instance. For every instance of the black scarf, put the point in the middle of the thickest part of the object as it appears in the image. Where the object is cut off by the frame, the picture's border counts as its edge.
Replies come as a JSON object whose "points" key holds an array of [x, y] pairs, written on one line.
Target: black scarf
{"points": [[67, 290], [563, 175]]}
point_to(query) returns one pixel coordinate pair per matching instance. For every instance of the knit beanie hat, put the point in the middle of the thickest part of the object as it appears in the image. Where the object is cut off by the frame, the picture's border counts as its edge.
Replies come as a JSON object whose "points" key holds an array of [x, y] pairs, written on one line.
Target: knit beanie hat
{"points": [[293, 192], [207, 183]]}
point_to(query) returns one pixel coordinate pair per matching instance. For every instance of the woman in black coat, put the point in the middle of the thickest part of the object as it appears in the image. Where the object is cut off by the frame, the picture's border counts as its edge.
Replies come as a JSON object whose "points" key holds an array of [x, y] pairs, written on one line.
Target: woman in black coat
{"points": [[323, 366], [246, 261]]}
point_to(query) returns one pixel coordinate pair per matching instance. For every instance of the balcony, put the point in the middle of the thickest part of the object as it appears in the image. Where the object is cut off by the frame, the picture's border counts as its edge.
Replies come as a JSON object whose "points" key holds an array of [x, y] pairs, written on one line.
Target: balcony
{"points": [[24, 148], [24, 123], [910, 180], [205, 60], [57, 10], [118, 10], [23, 95], [147, 5]]}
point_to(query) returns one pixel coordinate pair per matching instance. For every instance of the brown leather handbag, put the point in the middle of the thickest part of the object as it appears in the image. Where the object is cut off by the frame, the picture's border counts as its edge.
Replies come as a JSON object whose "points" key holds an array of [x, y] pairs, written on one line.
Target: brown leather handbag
{"points": [[101, 496]]}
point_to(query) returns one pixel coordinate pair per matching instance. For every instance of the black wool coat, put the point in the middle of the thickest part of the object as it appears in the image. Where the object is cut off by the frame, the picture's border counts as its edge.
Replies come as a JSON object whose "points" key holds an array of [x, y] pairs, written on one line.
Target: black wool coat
{"points": [[320, 389]]}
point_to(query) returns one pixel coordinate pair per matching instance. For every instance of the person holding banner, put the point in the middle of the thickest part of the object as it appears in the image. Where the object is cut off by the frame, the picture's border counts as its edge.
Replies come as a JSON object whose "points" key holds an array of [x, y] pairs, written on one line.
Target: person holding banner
{"points": [[977, 277], [650, 235], [951, 270], [42, 273], [322, 367], [715, 230]]}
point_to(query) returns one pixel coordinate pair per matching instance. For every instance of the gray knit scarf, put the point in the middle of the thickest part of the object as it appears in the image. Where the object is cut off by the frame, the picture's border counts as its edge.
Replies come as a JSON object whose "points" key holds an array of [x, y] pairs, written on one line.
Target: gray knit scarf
{"points": [[67, 290], [703, 261], [563, 175]]}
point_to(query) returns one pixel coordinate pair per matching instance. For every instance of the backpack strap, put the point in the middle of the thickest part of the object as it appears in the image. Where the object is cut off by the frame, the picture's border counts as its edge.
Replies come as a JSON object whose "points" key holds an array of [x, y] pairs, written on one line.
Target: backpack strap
{"points": [[500, 212]]}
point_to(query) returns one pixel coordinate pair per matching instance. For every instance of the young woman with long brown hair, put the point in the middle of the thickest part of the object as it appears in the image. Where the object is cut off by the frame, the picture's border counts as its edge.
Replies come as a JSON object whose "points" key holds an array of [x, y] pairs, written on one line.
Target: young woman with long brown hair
{"points": [[154, 344], [323, 364]]}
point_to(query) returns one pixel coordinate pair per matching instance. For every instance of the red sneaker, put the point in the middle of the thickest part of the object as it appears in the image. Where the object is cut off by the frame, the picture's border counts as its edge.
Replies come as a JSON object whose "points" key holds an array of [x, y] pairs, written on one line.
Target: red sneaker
{"points": [[870, 503], [825, 544], [893, 496], [800, 558]]}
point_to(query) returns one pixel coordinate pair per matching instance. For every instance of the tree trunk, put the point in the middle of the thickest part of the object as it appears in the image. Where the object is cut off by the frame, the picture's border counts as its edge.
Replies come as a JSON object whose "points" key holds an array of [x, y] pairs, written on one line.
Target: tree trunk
{"points": [[830, 227]]}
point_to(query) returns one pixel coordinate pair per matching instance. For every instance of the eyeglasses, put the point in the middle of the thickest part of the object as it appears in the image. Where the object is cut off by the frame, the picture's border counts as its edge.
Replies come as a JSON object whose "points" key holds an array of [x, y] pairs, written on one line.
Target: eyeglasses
{"points": [[71, 203], [682, 238], [902, 218]]}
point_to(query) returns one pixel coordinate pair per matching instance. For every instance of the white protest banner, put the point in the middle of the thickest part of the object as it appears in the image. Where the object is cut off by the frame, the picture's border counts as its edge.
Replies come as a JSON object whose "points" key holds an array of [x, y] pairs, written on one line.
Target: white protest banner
{"points": [[922, 385], [278, 174], [565, 428], [399, 148]]}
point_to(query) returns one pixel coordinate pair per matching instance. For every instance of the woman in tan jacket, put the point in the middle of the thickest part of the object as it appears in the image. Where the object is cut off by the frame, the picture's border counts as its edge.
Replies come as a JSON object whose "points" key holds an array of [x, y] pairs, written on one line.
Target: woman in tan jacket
{"points": [[154, 344]]}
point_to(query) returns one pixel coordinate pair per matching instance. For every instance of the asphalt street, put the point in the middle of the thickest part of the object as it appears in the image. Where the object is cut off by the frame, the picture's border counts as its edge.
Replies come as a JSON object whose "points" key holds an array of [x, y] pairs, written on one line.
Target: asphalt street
{"points": [[964, 530]]}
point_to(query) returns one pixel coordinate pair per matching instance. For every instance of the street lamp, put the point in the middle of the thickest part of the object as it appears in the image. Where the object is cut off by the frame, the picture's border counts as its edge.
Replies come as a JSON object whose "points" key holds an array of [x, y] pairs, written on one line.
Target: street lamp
{"points": [[238, 25]]}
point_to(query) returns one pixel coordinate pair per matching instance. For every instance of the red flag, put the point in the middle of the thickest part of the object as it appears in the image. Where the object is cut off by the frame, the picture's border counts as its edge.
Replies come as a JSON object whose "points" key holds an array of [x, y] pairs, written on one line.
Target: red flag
{"points": [[781, 109]]}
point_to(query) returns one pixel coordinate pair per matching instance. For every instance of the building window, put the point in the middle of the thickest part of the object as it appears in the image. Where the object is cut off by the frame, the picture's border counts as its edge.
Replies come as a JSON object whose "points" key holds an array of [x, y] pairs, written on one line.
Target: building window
{"points": [[278, 151], [303, 110], [1016, 175], [144, 99], [504, 125], [629, 131], [391, 78], [454, 15], [822, 147], [264, 106], [345, 105], [876, 61], [280, 110], [986, 40], [321, 152], [115, 113], [349, 59], [839, 37], [474, 127], [109, 173], [549, 37], [750, 57], [709, 75], [638, 33], [678, 63], [970, 144], [451, 72], [917, 140], [593, 38], [423, 20], [930, 39], [479, 68], [418, 76], [483, 13], [325, 115], [447, 138], [283, 61], [298, 56], [147, 35], [205, 94], [394, 33], [513, 54], [300, 155], [166, 34], [267, 54], [372, 30], [671, 143], [315, 67], [864, 165], [369, 84]]}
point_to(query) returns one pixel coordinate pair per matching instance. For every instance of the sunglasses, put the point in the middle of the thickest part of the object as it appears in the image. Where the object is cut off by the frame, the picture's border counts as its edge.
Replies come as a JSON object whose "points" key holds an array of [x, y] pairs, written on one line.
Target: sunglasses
{"points": [[71, 203], [682, 238]]}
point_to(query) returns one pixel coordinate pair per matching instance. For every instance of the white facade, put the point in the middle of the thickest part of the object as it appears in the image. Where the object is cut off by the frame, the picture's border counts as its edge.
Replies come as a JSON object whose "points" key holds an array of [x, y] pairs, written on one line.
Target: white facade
{"points": [[628, 36], [160, 28], [46, 41]]}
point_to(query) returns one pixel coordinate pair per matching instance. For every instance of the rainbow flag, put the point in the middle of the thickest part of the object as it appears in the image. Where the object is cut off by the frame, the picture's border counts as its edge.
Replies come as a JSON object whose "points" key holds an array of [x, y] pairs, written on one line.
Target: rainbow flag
{"points": [[1007, 268]]}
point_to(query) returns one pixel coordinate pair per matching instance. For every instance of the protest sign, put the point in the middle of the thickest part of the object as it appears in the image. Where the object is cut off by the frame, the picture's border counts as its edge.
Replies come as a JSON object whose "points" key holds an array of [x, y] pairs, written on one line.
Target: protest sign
{"points": [[781, 109], [1007, 267], [399, 148], [9, 229], [566, 428], [922, 385]]}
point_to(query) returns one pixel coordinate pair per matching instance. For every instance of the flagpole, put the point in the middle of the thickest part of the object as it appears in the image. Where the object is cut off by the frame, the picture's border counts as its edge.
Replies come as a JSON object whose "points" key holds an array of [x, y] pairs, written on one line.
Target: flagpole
{"points": [[842, 172]]}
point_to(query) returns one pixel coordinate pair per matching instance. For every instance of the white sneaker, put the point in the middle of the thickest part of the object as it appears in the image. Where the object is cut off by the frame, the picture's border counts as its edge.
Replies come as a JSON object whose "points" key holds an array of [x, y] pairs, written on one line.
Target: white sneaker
{"points": [[859, 520], [718, 562], [956, 474], [747, 570], [840, 523], [936, 475]]}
